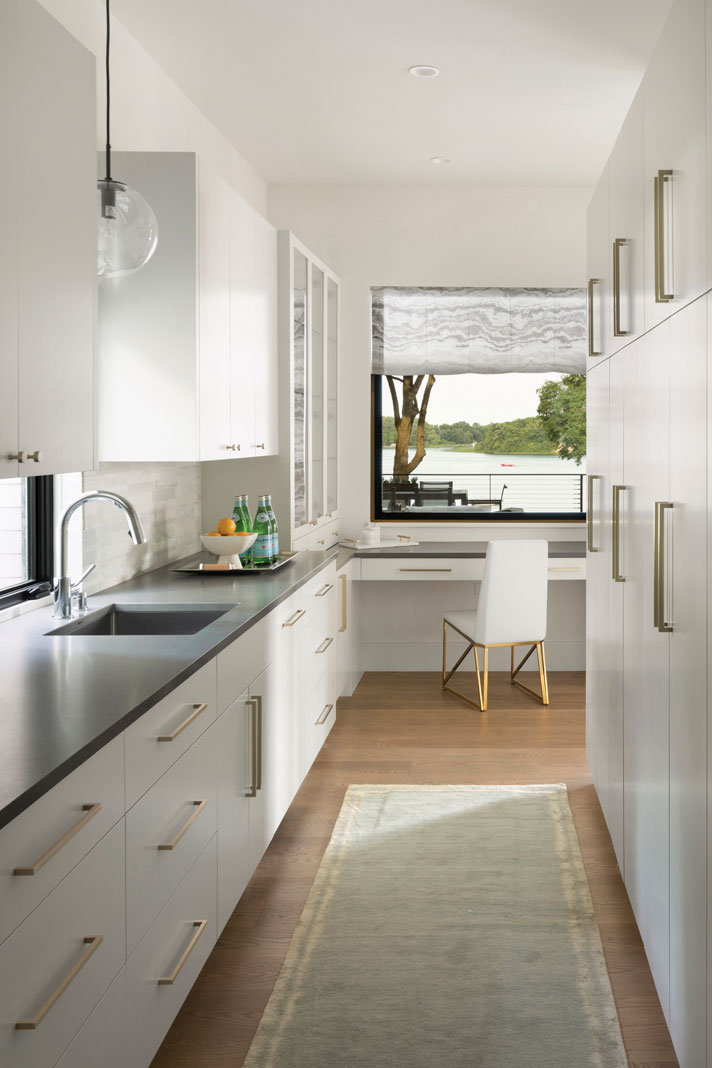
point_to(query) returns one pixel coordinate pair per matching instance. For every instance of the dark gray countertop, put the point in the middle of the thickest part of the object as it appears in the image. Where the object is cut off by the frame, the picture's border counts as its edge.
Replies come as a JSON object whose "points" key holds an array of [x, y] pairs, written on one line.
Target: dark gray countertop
{"points": [[63, 698], [451, 550]]}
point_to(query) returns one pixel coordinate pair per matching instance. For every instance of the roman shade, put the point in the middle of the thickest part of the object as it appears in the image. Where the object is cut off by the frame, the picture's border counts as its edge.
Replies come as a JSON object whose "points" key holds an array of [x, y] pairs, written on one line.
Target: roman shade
{"points": [[453, 331]]}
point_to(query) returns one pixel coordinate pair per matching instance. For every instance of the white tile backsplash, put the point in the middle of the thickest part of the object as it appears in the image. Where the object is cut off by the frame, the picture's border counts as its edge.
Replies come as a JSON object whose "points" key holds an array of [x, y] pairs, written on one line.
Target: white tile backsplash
{"points": [[166, 497]]}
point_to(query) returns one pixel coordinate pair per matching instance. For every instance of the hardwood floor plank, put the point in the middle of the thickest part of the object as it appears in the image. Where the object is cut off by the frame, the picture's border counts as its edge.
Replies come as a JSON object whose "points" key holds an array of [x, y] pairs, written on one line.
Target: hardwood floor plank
{"points": [[402, 727]]}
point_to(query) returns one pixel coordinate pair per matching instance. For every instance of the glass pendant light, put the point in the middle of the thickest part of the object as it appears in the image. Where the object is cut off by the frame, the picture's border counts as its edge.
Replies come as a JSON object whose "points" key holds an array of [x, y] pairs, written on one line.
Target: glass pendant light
{"points": [[128, 229]]}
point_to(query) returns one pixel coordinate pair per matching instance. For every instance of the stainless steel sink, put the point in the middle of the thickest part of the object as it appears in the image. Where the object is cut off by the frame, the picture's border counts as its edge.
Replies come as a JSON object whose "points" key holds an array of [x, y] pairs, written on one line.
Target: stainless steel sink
{"points": [[136, 619]]}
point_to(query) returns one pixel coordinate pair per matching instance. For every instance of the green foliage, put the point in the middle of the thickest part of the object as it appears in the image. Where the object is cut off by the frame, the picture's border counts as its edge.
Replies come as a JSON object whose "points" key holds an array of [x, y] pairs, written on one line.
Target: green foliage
{"points": [[562, 410], [516, 436]]}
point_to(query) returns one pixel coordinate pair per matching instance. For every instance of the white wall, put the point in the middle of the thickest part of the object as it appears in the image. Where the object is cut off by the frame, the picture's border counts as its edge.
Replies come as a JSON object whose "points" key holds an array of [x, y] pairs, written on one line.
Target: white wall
{"points": [[430, 235]]}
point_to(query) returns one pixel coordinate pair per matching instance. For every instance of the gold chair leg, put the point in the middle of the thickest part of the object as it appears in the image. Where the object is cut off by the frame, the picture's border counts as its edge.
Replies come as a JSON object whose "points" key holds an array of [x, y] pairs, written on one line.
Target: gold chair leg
{"points": [[483, 700], [544, 695], [483, 703], [541, 655], [447, 675]]}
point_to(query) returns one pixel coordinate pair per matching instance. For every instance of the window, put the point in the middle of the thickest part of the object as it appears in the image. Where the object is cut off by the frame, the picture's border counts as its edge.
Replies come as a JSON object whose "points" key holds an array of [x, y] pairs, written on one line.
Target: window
{"points": [[479, 404], [26, 536]]}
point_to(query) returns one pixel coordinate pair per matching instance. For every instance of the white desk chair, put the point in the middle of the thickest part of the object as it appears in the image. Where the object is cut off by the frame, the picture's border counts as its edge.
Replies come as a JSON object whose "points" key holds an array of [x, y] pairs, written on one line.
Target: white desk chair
{"points": [[511, 611]]}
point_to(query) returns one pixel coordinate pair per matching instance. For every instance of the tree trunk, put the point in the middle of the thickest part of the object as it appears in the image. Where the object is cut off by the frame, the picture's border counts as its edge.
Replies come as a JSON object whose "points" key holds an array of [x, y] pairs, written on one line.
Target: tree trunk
{"points": [[405, 417]]}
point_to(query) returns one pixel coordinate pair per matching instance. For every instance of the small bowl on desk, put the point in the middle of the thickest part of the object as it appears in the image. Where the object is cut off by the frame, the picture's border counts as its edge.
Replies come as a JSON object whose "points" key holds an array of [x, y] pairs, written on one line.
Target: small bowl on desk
{"points": [[229, 548]]}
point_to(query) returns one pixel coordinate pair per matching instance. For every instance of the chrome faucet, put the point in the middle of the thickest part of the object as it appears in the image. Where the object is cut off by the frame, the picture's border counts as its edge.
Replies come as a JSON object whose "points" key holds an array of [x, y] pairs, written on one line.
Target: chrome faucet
{"points": [[65, 587]]}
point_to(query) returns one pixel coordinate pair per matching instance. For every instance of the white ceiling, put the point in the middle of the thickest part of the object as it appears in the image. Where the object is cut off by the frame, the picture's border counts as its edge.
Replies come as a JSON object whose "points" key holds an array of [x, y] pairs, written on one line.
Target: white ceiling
{"points": [[530, 91]]}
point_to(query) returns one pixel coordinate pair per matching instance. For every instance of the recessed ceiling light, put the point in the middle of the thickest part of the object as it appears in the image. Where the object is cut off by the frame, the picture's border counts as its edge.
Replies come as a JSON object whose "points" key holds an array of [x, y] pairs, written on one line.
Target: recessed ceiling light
{"points": [[423, 71], [440, 159]]}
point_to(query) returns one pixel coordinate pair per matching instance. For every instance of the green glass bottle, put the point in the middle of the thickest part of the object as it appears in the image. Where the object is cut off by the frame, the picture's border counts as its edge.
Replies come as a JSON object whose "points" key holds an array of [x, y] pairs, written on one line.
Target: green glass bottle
{"points": [[262, 549], [275, 529], [243, 523]]}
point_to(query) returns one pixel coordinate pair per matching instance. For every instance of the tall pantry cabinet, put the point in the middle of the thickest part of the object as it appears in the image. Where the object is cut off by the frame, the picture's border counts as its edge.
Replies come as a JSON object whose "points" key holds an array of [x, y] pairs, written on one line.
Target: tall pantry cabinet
{"points": [[649, 533]]}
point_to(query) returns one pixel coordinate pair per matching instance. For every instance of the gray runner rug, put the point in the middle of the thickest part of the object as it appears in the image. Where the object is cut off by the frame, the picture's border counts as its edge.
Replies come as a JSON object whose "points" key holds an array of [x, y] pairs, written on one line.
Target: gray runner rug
{"points": [[448, 927]]}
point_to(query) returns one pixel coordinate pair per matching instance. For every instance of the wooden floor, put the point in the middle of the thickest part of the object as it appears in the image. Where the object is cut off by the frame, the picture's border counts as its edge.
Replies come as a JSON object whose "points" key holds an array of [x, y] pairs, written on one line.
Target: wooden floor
{"points": [[401, 728]]}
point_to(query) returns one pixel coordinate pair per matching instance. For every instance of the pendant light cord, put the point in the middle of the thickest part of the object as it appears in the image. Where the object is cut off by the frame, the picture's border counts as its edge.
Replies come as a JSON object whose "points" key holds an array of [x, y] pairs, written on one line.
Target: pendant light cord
{"points": [[108, 94]]}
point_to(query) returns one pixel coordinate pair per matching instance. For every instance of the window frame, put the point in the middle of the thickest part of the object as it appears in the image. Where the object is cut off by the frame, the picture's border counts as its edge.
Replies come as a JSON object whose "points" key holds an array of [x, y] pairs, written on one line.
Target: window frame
{"points": [[379, 515], [40, 542]]}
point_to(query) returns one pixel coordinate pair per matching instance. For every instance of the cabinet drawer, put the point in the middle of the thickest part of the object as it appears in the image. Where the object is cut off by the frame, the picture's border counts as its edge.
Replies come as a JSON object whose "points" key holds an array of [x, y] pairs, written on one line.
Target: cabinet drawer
{"points": [[102, 1039], [405, 569], [165, 832], [54, 833], [243, 661], [48, 957], [322, 536], [319, 716], [318, 648], [170, 950], [156, 740], [322, 588]]}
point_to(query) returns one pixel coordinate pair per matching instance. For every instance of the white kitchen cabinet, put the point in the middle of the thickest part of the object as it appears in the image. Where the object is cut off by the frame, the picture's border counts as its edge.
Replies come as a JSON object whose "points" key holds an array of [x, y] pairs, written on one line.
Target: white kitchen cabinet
{"points": [[674, 102], [47, 255], [647, 665], [82, 922], [688, 682], [308, 406], [235, 758], [598, 268], [613, 638], [180, 341], [104, 1037], [348, 638], [626, 246]]}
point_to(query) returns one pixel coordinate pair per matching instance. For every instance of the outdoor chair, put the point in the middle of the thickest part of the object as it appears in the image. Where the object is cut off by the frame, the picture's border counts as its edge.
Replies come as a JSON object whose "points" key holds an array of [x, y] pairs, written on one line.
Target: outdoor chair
{"points": [[511, 611], [492, 501], [434, 493]]}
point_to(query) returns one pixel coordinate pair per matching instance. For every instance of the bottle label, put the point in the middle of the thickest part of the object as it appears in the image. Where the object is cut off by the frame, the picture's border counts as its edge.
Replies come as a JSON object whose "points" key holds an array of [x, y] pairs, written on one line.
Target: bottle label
{"points": [[262, 548], [275, 544]]}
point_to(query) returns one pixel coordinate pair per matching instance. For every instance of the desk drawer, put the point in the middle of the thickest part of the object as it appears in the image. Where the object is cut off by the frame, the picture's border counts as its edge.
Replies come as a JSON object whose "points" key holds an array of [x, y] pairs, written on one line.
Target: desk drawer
{"points": [[567, 569], [54, 833], [50, 975], [156, 740], [171, 814], [408, 569]]}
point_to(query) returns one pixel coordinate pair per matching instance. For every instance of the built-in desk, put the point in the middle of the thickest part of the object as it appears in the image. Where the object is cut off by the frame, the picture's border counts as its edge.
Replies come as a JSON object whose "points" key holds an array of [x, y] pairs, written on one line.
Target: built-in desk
{"points": [[456, 561]]}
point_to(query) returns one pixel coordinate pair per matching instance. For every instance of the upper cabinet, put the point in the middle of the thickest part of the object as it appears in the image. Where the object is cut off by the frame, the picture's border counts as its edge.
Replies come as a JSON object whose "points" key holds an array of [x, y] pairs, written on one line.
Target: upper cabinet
{"points": [[598, 266], [47, 245], [674, 108], [309, 351], [626, 240], [187, 365]]}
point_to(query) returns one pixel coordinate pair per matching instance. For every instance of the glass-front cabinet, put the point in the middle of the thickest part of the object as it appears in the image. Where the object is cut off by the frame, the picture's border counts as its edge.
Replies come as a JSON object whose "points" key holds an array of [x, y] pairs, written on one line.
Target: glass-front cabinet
{"points": [[309, 332]]}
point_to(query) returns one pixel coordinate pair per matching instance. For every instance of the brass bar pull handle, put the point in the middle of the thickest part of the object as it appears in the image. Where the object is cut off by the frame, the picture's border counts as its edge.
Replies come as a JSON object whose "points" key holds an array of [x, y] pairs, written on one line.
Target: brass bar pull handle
{"points": [[324, 646], [324, 590], [660, 181], [659, 577], [425, 569], [295, 618], [89, 812], [592, 282], [92, 942], [252, 792], [168, 980], [198, 806], [344, 587], [324, 715], [589, 514], [259, 743], [616, 533], [618, 244], [197, 711]]}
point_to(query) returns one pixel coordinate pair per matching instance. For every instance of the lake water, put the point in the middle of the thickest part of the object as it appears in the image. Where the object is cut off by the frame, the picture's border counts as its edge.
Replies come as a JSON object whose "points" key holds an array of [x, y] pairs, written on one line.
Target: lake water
{"points": [[534, 483]]}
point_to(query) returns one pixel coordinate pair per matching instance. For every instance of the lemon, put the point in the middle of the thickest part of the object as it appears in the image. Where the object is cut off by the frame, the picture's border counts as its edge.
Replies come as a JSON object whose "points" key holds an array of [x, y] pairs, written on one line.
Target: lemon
{"points": [[225, 526]]}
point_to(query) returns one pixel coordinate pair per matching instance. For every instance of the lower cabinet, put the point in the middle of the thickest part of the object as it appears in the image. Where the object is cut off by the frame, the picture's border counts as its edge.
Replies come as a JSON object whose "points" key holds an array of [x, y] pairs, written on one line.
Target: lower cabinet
{"points": [[103, 1040], [235, 732]]}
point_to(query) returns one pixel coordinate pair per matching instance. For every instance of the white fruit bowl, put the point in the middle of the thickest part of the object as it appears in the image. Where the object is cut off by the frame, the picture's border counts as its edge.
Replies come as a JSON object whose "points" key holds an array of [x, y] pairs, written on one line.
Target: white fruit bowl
{"points": [[231, 548]]}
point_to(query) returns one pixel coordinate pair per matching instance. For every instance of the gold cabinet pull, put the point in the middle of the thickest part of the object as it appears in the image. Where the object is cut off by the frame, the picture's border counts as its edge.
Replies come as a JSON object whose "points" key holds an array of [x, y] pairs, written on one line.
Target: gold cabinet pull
{"points": [[295, 618], [344, 586], [324, 715], [324, 646], [659, 568], [425, 569], [255, 704], [660, 181], [324, 590], [616, 533], [592, 282], [198, 806], [197, 711], [168, 980], [618, 244], [92, 942], [89, 812], [589, 514]]}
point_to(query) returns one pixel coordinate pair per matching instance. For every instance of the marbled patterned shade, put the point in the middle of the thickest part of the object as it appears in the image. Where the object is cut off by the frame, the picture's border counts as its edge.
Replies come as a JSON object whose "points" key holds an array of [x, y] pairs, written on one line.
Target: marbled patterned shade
{"points": [[442, 331]]}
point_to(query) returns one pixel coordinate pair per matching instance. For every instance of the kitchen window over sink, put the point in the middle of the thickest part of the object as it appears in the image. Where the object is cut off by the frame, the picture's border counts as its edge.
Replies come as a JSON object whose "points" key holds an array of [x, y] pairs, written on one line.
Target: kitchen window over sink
{"points": [[26, 537]]}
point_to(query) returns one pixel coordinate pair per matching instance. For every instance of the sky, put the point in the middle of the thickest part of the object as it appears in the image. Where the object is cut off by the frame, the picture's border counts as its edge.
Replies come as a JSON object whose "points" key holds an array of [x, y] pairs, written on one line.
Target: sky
{"points": [[480, 398]]}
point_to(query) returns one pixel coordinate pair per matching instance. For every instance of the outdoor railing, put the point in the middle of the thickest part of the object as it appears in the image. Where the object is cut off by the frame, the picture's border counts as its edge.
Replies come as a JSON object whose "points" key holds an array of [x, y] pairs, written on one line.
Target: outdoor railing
{"points": [[526, 491]]}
